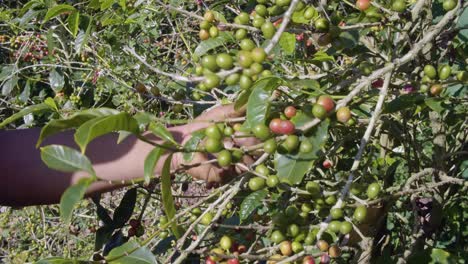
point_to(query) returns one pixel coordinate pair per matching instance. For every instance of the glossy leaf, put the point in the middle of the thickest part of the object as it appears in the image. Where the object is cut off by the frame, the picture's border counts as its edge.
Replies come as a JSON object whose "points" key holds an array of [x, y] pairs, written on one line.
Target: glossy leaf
{"points": [[242, 99], [26, 111], [103, 234], [131, 252], [58, 10], [258, 106], [291, 168], [161, 131], [71, 197], [103, 125], [435, 104], [124, 211], [56, 260], [9, 85], [166, 193], [66, 159], [57, 125], [404, 101], [150, 163], [250, 203], [74, 22]]}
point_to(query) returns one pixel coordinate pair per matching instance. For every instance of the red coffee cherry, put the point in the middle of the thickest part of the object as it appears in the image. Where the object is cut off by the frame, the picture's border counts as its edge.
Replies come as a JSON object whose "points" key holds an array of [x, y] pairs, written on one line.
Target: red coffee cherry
{"points": [[290, 111]]}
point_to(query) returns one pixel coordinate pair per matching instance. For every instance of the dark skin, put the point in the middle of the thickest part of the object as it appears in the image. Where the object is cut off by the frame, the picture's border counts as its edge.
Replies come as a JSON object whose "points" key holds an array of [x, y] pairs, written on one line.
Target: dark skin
{"points": [[26, 180]]}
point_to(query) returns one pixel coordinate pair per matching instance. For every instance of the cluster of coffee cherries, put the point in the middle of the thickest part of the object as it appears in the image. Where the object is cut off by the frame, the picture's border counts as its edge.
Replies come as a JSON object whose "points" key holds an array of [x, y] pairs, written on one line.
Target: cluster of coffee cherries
{"points": [[432, 78], [36, 48], [226, 245], [3, 38]]}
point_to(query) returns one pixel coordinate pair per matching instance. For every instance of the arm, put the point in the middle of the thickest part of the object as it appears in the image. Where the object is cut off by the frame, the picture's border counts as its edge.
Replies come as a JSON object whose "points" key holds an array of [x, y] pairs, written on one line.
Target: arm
{"points": [[26, 180]]}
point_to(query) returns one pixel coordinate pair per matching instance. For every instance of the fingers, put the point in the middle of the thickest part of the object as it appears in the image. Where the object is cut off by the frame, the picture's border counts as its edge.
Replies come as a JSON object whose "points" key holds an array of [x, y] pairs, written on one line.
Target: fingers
{"points": [[221, 113]]}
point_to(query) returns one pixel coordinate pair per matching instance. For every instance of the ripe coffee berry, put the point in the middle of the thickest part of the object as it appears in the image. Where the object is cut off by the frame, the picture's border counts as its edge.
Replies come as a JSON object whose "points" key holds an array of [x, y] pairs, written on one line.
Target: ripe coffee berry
{"points": [[290, 111], [327, 164]]}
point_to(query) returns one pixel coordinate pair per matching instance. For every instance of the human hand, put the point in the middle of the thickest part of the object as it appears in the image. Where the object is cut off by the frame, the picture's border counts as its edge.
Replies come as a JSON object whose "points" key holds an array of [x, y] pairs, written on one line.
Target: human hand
{"points": [[199, 166]]}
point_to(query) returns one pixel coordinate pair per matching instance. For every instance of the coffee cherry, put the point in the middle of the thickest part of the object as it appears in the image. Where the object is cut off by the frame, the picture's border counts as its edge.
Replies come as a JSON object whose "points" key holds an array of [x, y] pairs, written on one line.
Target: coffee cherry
{"points": [[215, 252], [322, 24], [449, 4], [256, 68], [330, 200], [243, 18], [285, 248], [275, 124], [286, 127], [327, 164], [334, 226], [291, 143], [224, 158], [204, 34], [283, 2], [308, 260], [306, 207], [268, 30], [322, 245], [377, 83], [232, 79], [247, 44], [244, 58], [305, 146], [134, 223], [213, 131], [209, 16], [261, 10], [276, 237], [462, 76], [206, 219], [327, 102], [334, 251], [131, 232], [209, 62], [313, 188], [256, 183], [324, 259], [444, 72], [233, 261], [140, 231], [290, 111], [261, 132], [346, 227], [373, 190], [360, 214], [272, 181], [270, 146], [205, 25], [296, 247], [258, 22], [224, 61], [262, 170], [225, 242], [343, 114], [258, 54], [336, 213], [319, 111], [430, 71], [213, 145], [245, 82], [214, 31], [436, 89], [363, 5], [399, 6], [310, 13], [241, 34]]}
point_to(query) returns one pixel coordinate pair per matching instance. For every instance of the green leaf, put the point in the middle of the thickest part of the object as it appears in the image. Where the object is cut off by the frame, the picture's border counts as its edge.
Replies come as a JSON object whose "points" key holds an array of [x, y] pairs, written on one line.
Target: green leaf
{"points": [[125, 209], [434, 104], [71, 197], [74, 22], [56, 125], [57, 81], [83, 35], [242, 99], [103, 125], [50, 102], [288, 43], [56, 260], [192, 144], [66, 159], [212, 43], [133, 253], [9, 85], [166, 193], [150, 163], [6, 72], [58, 10], [321, 56], [161, 131], [28, 110], [291, 168], [250, 203], [258, 106], [404, 101]]}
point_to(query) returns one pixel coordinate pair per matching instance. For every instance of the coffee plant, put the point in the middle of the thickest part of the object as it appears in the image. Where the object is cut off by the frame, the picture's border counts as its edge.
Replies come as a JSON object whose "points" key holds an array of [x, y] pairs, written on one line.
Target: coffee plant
{"points": [[358, 110]]}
